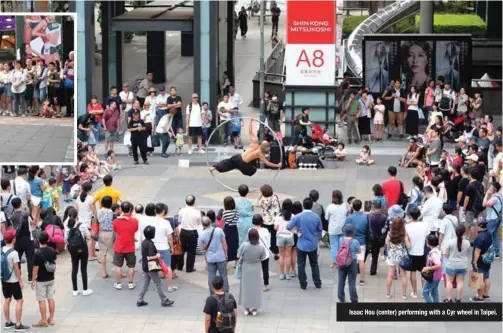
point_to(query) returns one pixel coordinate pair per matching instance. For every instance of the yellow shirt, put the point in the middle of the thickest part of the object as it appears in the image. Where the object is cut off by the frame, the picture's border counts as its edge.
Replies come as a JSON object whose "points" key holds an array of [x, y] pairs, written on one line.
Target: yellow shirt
{"points": [[55, 202], [108, 191]]}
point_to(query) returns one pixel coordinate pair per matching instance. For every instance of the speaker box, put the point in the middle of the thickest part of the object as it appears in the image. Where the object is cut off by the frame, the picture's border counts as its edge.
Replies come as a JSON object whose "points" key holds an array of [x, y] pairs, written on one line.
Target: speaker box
{"points": [[275, 154]]}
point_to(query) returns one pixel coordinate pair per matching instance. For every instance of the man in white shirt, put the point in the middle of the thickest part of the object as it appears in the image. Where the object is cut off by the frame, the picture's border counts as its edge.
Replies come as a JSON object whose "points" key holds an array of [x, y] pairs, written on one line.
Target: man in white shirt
{"points": [[431, 209], [18, 79], [194, 123], [21, 188], [127, 98], [161, 104], [498, 158], [224, 110], [190, 219], [143, 88], [234, 98]]}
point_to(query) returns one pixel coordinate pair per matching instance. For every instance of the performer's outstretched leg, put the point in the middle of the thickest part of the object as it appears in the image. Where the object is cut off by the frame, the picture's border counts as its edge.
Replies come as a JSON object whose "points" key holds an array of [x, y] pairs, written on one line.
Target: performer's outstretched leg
{"points": [[225, 165]]}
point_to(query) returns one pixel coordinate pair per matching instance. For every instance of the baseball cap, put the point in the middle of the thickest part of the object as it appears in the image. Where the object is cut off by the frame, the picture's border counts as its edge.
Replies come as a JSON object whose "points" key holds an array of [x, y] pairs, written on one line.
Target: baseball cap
{"points": [[473, 157], [162, 88], [462, 138], [9, 235]]}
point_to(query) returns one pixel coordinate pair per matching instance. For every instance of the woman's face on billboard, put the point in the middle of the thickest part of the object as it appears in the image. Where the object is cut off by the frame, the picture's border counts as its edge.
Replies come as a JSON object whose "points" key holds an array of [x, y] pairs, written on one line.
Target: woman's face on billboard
{"points": [[417, 59]]}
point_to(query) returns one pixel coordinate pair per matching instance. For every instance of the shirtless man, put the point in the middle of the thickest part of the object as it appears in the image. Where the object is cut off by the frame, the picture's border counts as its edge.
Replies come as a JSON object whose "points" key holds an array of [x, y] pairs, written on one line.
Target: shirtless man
{"points": [[246, 162]]}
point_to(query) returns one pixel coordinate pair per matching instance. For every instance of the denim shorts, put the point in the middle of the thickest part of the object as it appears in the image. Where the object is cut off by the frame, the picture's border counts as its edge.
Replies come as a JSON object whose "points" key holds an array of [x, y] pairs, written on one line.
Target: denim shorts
{"points": [[453, 272], [166, 256], [485, 272], [284, 241], [7, 92], [40, 93]]}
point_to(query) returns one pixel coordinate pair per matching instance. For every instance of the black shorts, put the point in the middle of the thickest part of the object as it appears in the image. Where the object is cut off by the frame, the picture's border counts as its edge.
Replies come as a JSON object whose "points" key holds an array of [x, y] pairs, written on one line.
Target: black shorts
{"points": [[418, 263], [12, 290], [195, 131], [235, 134], [118, 260]]}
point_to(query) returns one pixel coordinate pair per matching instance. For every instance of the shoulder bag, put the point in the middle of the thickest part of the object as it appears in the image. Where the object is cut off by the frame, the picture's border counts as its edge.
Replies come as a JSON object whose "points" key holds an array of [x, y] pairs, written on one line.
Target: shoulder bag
{"points": [[237, 272], [406, 262]]}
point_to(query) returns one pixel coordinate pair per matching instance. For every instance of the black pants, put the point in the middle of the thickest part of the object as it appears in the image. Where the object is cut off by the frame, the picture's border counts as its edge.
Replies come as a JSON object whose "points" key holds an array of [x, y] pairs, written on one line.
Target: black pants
{"points": [[275, 24], [25, 245], [236, 162], [141, 144], [188, 239], [177, 262], [82, 258], [265, 271], [374, 248], [148, 132], [69, 101], [274, 248]]}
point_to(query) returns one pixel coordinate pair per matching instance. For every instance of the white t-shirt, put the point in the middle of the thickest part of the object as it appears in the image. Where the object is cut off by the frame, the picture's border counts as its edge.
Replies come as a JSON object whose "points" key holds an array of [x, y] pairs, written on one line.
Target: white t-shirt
{"points": [[448, 227], [496, 161], [417, 232], [147, 116], [189, 218], [431, 211], [18, 77], [194, 115], [265, 240], [222, 107], [164, 124], [235, 100], [75, 190], [336, 217], [22, 189], [162, 231], [12, 259], [5, 77], [161, 99], [127, 96], [85, 210]]}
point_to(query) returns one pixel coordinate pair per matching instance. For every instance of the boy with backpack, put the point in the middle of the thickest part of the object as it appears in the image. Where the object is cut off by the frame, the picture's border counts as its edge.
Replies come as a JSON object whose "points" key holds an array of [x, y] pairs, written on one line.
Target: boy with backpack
{"points": [[483, 256], [50, 197], [221, 311], [12, 282], [347, 263]]}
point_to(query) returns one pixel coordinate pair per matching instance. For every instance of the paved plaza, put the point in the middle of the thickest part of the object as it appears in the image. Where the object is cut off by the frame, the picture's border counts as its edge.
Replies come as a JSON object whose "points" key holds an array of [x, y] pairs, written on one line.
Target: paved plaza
{"points": [[35, 140]]}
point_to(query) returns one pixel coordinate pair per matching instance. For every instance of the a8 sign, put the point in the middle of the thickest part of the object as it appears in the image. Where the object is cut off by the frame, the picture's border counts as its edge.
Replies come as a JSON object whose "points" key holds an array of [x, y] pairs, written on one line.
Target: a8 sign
{"points": [[310, 64]]}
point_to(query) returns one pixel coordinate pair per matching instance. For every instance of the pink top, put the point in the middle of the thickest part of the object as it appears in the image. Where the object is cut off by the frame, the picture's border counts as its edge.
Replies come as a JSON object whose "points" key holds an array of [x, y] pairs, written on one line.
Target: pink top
{"points": [[281, 224], [434, 258], [429, 95], [364, 156]]}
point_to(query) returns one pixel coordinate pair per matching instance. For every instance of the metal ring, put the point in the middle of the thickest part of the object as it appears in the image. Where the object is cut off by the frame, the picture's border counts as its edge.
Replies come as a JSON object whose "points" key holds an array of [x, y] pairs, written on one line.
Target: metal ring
{"points": [[252, 119]]}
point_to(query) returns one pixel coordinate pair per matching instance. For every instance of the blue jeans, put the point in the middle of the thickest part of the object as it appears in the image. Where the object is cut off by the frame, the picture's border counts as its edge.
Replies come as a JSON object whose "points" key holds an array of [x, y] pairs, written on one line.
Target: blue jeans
{"points": [[19, 102], [97, 130], [206, 133], [493, 228], [430, 291], [221, 267], [349, 273], [176, 124], [164, 138], [334, 246], [315, 269]]}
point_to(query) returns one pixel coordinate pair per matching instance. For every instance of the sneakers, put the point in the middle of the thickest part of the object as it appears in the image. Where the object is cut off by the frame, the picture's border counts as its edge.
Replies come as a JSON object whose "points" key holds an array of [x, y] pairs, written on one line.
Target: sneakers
{"points": [[172, 289], [87, 292], [167, 302], [413, 295], [362, 282], [287, 276], [282, 277], [246, 312], [201, 151], [476, 300], [141, 303], [21, 328], [388, 296], [404, 297], [189, 152], [75, 293], [8, 326], [118, 286], [254, 312], [131, 285]]}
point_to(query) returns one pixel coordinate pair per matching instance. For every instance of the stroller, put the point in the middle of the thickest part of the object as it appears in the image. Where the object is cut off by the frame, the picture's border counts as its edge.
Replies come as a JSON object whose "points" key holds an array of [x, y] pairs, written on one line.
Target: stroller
{"points": [[323, 146]]}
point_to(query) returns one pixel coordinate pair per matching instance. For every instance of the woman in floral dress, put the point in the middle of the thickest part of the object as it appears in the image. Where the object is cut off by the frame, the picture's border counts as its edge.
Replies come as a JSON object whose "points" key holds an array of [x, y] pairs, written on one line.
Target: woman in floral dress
{"points": [[270, 208]]}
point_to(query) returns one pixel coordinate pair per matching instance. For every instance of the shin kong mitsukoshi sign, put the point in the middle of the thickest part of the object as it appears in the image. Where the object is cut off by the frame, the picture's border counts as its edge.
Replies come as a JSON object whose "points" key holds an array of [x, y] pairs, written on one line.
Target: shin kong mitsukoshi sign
{"points": [[310, 43]]}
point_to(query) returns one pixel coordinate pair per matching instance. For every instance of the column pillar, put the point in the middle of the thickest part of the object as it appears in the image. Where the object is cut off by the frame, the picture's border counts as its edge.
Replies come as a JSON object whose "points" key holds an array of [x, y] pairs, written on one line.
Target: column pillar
{"points": [[426, 21], [230, 41], [156, 59], [222, 37], [112, 46], [85, 55], [493, 19], [187, 41]]}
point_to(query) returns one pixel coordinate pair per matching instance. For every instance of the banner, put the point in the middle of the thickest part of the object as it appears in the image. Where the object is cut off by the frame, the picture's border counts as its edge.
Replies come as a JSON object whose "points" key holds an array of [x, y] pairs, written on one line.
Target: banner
{"points": [[310, 43], [41, 38]]}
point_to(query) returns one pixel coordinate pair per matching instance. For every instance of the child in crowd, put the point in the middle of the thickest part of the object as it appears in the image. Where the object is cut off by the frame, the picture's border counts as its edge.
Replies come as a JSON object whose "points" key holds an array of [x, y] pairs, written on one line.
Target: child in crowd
{"points": [[379, 118], [179, 141], [340, 152], [67, 176], [207, 118], [116, 209], [237, 123], [365, 156], [433, 264], [47, 110], [76, 188], [113, 164], [328, 138]]}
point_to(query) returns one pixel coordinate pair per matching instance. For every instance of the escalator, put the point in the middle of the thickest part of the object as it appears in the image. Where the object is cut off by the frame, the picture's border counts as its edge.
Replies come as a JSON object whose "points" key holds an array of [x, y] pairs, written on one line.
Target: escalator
{"points": [[384, 19]]}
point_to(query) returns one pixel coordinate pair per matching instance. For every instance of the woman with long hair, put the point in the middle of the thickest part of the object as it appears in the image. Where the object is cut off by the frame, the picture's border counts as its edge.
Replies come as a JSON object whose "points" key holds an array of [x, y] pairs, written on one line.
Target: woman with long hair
{"points": [[86, 211], [230, 217], [336, 216], [412, 121], [79, 255], [244, 207], [416, 195], [37, 187], [296, 209], [265, 241], [284, 239], [396, 243]]}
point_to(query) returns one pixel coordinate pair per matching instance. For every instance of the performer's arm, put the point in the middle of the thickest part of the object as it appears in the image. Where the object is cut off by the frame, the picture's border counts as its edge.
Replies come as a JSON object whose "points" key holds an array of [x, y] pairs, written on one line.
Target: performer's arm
{"points": [[253, 137], [267, 163]]}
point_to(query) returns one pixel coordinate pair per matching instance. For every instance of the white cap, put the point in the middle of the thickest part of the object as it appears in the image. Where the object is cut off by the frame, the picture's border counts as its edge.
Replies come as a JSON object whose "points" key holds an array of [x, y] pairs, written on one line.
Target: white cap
{"points": [[473, 157]]}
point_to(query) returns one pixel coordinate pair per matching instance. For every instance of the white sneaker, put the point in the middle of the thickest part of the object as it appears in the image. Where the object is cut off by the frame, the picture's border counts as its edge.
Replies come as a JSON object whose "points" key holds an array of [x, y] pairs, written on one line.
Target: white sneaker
{"points": [[131, 285], [246, 312], [201, 151], [404, 297], [12, 114], [388, 295], [189, 152], [172, 289], [413, 295], [87, 292], [76, 293], [118, 286]]}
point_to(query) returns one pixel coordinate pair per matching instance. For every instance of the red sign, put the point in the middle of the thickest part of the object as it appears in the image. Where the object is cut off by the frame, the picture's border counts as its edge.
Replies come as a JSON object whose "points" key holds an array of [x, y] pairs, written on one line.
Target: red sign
{"points": [[310, 22]]}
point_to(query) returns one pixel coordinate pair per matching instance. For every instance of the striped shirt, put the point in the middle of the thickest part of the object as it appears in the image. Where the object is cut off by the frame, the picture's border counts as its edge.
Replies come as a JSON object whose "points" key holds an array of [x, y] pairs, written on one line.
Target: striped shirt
{"points": [[230, 217]]}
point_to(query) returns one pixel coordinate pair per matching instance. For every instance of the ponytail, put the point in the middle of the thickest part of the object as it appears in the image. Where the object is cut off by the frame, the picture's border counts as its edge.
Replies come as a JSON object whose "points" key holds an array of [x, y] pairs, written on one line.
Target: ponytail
{"points": [[86, 188], [460, 231]]}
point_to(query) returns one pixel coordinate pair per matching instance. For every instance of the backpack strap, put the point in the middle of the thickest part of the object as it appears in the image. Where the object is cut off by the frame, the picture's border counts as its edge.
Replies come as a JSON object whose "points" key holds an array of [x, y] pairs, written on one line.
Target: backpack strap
{"points": [[498, 214]]}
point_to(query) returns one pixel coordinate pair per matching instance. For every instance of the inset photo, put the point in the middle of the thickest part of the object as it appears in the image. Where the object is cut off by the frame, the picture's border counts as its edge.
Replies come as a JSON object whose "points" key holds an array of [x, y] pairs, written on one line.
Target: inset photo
{"points": [[37, 89]]}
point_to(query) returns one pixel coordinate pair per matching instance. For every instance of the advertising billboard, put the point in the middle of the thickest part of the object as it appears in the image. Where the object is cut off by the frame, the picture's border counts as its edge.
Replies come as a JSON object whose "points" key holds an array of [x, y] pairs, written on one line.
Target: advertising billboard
{"points": [[41, 37], [415, 59], [310, 43]]}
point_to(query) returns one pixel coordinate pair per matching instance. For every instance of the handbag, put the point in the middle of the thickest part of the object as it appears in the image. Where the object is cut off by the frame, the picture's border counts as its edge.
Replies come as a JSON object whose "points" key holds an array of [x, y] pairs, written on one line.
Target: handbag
{"points": [[153, 266], [95, 228], [406, 262], [155, 141], [237, 272], [127, 139]]}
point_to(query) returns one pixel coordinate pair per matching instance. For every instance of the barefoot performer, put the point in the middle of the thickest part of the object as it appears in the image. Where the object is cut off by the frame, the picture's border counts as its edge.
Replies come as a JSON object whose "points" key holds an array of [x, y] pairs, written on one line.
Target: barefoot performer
{"points": [[247, 161]]}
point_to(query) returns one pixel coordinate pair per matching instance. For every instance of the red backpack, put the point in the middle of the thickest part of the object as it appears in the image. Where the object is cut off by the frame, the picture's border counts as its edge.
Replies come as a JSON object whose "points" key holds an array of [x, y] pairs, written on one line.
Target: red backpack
{"points": [[343, 258]]}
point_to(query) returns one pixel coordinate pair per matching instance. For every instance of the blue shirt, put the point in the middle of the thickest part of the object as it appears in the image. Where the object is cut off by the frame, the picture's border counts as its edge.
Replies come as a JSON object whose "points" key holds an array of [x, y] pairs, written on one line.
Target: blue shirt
{"points": [[236, 123], [355, 246], [361, 223], [36, 187], [215, 252], [308, 226], [483, 241], [382, 200]]}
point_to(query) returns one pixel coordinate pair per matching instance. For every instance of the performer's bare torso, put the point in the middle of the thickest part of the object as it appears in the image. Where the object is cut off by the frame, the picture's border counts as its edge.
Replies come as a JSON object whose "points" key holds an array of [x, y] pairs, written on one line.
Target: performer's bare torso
{"points": [[253, 153]]}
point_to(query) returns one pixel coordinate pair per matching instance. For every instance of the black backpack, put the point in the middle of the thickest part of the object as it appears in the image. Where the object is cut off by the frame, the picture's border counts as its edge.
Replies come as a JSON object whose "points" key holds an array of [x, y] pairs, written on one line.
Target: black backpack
{"points": [[225, 320], [76, 241]]}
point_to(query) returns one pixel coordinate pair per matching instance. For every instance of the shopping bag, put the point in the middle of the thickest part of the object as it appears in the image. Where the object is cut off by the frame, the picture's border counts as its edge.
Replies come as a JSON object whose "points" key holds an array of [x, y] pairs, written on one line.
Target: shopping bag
{"points": [[155, 141], [237, 272], [476, 280], [127, 139], [149, 141], [164, 267], [420, 113], [95, 228]]}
